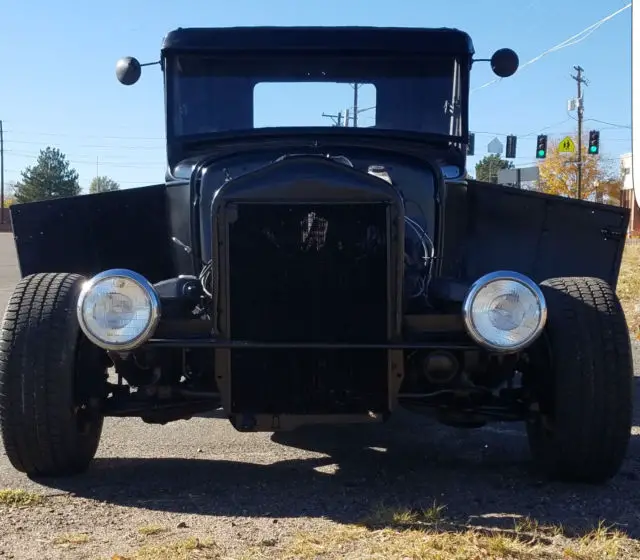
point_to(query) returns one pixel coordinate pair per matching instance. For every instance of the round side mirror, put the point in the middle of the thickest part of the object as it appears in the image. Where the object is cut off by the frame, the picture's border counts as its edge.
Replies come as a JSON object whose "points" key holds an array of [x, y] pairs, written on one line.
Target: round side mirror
{"points": [[504, 63], [128, 70]]}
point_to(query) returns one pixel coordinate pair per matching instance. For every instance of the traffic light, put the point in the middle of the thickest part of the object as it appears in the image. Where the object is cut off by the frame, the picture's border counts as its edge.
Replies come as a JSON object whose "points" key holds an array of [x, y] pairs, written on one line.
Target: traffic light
{"points": [[594, 142], [541, 149], [472, 144], [511, 146]]}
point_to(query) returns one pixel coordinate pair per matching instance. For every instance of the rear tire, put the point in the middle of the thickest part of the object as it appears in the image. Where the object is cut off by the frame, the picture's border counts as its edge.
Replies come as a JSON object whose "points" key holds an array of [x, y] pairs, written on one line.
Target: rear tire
{"points": [[585, 393], [45, 426]]}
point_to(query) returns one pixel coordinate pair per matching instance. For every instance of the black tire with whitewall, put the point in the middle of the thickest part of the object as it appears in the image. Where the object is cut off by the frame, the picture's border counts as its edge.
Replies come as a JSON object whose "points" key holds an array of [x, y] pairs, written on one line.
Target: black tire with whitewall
{"points": [[585, 390], [48, 372]]}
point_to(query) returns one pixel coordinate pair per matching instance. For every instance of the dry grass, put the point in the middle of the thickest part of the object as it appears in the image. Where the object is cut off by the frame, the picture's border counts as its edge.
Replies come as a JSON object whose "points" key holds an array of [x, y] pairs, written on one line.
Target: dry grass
{"points": [[471, 544], [602, 542], [405, 518], [151, 530], [427, 535], [629, 287], [19, 498], [187, 549]]}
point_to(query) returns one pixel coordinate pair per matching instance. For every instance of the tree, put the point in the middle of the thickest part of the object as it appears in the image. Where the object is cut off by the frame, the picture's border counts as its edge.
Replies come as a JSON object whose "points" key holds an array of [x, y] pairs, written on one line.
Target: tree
{"points": [[103, 184], [50, 177], [559, 174], [9, 195], [488, 167]]}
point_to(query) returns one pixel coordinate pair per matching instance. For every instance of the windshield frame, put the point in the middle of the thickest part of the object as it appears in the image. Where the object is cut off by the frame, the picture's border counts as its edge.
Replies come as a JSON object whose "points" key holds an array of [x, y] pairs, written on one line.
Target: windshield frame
{"points": [[460, 66]]}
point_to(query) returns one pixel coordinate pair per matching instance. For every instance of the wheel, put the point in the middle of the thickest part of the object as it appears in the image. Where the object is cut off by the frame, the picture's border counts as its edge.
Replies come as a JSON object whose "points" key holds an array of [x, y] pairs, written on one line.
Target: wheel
{"points": [[48, 371], [585, 392]]}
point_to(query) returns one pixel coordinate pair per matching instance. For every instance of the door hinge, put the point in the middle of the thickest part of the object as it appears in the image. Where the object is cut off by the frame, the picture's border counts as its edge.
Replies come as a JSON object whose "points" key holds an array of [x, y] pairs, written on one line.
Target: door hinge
{"points": [[609, 233]]}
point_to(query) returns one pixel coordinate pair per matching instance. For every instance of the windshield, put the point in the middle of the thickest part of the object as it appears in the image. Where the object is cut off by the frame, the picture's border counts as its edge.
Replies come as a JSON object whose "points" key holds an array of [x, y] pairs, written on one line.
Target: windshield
{"points": [[222, 94]]}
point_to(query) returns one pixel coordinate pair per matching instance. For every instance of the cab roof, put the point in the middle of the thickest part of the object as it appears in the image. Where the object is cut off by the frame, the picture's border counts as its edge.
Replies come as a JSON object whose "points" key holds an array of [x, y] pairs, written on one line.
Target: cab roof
{"points": [[374, 40]]}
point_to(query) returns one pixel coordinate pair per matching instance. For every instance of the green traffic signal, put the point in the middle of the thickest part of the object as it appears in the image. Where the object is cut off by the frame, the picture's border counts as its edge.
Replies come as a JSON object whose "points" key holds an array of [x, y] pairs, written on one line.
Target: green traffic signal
{"points": [[594, 142], [541, 146]]}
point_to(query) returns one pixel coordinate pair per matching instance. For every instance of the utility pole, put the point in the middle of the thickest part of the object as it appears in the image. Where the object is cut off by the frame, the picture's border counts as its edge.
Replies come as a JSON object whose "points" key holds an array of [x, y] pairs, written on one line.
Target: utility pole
{"points": [[355, 103], [337, 119], [350, 114], [580, 80], [1, 174]]}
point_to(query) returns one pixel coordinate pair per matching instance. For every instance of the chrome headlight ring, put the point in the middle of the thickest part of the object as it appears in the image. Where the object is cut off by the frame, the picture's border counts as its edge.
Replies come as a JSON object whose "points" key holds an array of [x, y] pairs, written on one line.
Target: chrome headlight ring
{"points": [[504, 311], [118, 309]]}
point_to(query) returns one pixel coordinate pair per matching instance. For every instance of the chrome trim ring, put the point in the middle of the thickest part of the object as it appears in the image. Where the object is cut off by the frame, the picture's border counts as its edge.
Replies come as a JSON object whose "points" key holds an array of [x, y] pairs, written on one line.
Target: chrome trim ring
{"points": [[155, 310], [488, 279]]}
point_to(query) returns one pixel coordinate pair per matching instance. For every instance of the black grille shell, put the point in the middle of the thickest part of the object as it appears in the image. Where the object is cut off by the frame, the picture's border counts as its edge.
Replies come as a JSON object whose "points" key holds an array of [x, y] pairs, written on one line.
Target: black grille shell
{"points": [[307, 251], [309, 273]]}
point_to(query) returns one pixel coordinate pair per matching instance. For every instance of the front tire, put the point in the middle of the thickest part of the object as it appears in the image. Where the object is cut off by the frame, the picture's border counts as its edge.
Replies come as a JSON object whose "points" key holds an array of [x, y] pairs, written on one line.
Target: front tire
{"points": [[585, 392], [46, 426]]}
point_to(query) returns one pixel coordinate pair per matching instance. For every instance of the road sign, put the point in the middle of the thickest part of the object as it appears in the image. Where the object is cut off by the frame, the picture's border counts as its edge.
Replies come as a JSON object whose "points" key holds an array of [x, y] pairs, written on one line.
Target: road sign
{"points": [[495, 146], [567, 145], [514, 176]]}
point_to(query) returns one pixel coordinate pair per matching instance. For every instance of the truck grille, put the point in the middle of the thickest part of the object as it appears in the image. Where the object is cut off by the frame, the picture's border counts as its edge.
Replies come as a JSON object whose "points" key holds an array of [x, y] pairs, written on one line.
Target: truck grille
{"points": [[308, 273]]}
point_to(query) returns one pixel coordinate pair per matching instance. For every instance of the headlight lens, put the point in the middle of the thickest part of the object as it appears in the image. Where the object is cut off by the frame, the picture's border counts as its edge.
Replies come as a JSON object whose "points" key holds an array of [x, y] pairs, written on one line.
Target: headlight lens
{"points": [[504, 311], [118, 309]]}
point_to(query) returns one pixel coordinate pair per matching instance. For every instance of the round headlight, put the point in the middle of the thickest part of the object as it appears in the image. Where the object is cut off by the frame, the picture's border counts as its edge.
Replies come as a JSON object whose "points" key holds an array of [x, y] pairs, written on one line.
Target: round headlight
{"points": [[118, 309], [504, 311]]}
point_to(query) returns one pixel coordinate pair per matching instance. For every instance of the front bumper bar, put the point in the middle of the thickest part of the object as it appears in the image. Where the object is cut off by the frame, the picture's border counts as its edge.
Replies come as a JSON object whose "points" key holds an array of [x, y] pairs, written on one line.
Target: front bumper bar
{"points": [[241, 344]]}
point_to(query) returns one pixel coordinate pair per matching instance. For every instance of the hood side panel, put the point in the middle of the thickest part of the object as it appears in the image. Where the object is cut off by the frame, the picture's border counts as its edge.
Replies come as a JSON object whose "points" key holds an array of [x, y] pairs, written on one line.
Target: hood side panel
{"points": [[543, 236], [86, 234]]}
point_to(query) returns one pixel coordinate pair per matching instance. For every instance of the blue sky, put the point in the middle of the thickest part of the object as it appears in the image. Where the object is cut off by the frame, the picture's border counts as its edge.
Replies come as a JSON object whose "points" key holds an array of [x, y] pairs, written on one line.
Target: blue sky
{"points": [[59, 86]]}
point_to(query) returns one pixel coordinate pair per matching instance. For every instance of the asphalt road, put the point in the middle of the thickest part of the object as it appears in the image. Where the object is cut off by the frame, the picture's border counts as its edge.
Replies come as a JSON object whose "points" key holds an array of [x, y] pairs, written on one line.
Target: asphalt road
{"points": [[205, 477]]}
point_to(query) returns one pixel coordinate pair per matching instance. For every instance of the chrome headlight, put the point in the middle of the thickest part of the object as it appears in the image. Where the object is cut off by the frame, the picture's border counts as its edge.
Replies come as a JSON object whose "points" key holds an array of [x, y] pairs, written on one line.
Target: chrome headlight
{"points": [[504, 311], [118, 309]]}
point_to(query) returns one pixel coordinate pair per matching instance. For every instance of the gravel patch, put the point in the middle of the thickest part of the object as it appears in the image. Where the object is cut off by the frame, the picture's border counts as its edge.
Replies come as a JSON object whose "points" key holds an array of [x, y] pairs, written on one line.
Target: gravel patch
{"points": [[202, 478]]}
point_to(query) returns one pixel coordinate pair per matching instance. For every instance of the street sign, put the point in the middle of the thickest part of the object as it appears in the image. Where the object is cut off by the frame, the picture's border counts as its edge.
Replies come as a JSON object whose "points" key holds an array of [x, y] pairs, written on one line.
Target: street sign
{"points": [[495, 146], [567, 146], [510, 176]]}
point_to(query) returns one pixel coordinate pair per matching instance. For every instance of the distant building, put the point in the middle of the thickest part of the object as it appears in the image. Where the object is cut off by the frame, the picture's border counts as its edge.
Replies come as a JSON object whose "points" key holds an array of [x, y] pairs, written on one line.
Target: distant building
{"points": [[627, 198]]}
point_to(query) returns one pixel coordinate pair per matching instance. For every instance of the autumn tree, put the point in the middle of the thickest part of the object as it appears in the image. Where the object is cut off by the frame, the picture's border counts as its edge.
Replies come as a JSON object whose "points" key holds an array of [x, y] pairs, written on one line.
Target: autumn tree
{"points": [[488, 167], [559, 174], [103, 184], [50, 177]]}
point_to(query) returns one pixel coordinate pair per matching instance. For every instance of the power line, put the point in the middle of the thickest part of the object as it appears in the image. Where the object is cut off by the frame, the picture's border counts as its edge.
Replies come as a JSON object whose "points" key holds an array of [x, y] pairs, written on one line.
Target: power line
{"points": [[116, 160], [131, 165], [161, 147], [76, 135], [574, 40], [528, 134], [150, 182], [94, 146], [610, 124]]}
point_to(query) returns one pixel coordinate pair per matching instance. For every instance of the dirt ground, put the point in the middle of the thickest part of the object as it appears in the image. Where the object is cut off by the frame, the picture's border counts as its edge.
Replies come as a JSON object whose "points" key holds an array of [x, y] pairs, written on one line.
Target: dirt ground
{"points": [[199, 489]]}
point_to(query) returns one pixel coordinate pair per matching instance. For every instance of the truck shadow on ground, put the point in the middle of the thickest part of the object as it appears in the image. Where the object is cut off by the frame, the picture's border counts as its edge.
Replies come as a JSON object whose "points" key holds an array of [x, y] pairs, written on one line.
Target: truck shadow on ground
{"points": [[483, 477]]}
